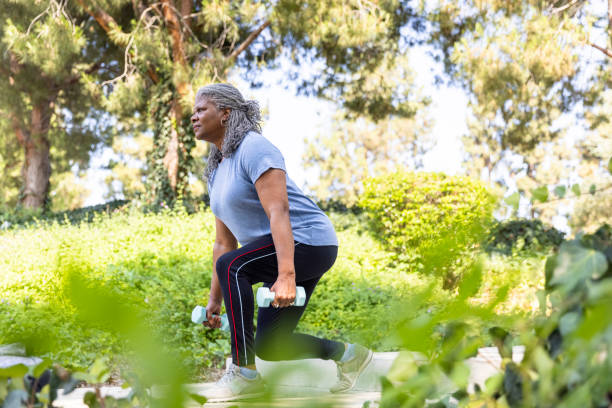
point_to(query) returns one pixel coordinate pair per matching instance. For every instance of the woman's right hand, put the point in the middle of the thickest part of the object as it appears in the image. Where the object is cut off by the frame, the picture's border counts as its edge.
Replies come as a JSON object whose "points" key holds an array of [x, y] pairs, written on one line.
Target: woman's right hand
{"points": [[213, 311]]}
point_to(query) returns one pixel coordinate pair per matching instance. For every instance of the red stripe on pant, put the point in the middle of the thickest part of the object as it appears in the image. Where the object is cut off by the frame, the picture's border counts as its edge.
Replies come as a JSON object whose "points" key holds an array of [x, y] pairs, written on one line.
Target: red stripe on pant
{"points": [[229, 288]]}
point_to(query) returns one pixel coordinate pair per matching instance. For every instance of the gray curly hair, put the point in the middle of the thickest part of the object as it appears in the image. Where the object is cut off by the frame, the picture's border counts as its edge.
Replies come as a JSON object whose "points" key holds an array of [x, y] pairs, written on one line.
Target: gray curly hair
{"points": [[244, 116]]}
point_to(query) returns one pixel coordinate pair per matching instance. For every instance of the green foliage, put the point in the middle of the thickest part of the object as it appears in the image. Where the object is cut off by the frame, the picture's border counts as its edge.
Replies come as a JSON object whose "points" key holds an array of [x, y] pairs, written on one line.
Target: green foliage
{"points": [[160, 264], [159, 189], [22, 386], [510, 237], [413, 210], [111, 293], [567, 360], [120, 254], [524, 68], [50, 52], [25, 217], [417, 214]]}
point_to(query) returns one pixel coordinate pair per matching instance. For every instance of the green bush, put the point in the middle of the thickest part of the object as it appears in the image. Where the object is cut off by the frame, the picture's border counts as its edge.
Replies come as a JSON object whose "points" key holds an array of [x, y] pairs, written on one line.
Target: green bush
{"points": [[414, 210], [161, 262], [429, 218], [511, 236], [11, 218]]}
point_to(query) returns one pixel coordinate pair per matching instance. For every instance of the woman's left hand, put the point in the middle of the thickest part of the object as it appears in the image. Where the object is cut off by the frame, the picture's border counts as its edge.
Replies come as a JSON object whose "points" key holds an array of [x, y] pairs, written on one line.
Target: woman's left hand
{"points": [[284, 291]]}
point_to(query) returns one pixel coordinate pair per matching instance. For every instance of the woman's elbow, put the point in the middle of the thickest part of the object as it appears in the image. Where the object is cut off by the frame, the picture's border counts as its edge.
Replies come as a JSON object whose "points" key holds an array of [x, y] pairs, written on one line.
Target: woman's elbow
{"points": [[280, 210]]}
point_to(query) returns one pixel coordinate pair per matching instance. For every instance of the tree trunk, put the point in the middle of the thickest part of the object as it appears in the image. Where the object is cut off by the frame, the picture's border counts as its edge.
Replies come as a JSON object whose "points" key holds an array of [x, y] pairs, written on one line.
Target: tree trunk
{"points": [[171, 159], [173, 24], [36, 170]]}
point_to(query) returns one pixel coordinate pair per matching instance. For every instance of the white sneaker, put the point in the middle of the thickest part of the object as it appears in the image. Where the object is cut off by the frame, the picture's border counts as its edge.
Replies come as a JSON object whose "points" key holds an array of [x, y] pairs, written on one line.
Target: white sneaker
{"points": [[349, 372], [235, 386]]}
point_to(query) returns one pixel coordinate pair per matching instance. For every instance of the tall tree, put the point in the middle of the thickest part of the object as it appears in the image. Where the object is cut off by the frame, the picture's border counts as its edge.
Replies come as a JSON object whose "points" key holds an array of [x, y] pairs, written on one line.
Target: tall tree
{"points": [[526, 67], [47, 52], [170, 45]]}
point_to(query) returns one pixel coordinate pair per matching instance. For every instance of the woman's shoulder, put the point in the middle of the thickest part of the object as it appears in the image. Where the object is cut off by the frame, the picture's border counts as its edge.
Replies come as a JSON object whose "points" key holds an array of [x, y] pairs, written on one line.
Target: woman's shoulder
{"points": [[253, 137], [255, 142]]}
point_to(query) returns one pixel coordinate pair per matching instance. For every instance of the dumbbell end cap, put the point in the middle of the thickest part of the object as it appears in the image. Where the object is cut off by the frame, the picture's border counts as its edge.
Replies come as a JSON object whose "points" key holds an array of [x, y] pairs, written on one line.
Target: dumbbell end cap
{"points": [[198, 315]]}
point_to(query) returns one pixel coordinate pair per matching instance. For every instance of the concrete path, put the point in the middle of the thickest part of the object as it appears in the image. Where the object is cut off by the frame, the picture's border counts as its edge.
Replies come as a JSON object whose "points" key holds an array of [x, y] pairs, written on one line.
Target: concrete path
{"points": [[305, 383]]}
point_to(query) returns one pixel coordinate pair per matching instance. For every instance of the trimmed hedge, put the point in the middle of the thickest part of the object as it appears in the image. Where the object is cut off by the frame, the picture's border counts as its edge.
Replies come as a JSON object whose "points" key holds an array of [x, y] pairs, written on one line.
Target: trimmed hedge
{"points": [[414, 210], [430, 220], [522, 235]]}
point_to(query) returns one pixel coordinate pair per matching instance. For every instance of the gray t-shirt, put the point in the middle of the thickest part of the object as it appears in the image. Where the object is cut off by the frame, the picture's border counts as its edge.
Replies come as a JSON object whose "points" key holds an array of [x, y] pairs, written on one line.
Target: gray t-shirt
{"points": [[234, 200]]}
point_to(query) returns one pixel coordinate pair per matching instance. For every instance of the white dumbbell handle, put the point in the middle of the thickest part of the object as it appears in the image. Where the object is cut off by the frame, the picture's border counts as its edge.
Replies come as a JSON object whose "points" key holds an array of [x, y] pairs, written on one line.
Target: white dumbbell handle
{"points": [[198, 315], [265, 296]]}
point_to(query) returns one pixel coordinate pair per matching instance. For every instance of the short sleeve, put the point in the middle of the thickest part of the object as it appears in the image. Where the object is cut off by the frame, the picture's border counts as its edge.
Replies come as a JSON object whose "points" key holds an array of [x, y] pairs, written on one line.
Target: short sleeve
{"points": [[259, 155]]}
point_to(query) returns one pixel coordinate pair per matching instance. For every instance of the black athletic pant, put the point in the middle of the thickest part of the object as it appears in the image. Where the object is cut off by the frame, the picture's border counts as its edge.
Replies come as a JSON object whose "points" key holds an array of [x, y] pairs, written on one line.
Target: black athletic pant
{"points": [[256, 262]]}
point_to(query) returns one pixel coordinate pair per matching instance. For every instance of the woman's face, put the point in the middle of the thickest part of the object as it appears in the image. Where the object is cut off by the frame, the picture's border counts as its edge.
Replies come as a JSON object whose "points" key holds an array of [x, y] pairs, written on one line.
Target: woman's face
{"points": [[207, 120]]}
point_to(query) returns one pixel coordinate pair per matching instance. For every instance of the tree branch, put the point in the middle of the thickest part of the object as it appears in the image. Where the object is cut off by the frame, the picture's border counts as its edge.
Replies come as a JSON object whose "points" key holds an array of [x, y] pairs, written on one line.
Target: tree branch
{"points": [[607, 52], [249, 40], [107, 22], [565, 7]]}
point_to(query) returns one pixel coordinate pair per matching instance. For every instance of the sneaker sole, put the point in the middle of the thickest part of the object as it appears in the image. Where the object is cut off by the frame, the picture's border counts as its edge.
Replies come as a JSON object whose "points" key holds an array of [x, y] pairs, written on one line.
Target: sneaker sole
{"points": [[362, 368], [237, 397]]}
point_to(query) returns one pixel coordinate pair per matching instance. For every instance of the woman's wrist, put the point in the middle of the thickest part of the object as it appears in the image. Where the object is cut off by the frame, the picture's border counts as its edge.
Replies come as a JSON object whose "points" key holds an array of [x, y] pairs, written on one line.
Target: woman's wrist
{"points": [[287, 275]]}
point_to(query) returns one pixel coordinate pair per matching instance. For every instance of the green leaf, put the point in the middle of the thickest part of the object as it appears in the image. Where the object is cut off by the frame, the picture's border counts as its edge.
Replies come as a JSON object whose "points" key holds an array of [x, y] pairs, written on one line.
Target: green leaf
{"points": [[15, 399], [600, 291], [18, 370], [513, 200], [568, 323], [596, 321], [41, 367], [560, 191], [200, 399], [610, 165], [540, 194], [493, 383], [90, 399], [99, 370], [593, 189], [575, 264], [3, 389], [576, 189], [70, 385], [471, 282], [43, 395], [460, 375]]}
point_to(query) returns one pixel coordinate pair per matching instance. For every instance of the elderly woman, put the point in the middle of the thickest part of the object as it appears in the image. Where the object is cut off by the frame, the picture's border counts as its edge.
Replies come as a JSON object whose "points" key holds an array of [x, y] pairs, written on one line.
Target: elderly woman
{"points": [[285, 240]]}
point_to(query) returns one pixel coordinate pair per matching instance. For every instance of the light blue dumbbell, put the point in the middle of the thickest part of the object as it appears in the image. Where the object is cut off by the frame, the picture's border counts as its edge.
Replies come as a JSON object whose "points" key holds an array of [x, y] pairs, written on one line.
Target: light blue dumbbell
{"points": [[198, 316], [265, 297]]}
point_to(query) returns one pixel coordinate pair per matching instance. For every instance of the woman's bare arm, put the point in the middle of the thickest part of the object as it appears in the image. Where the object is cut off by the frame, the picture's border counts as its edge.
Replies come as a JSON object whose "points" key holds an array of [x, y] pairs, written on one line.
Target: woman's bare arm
{"points": [[272, 191]]}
